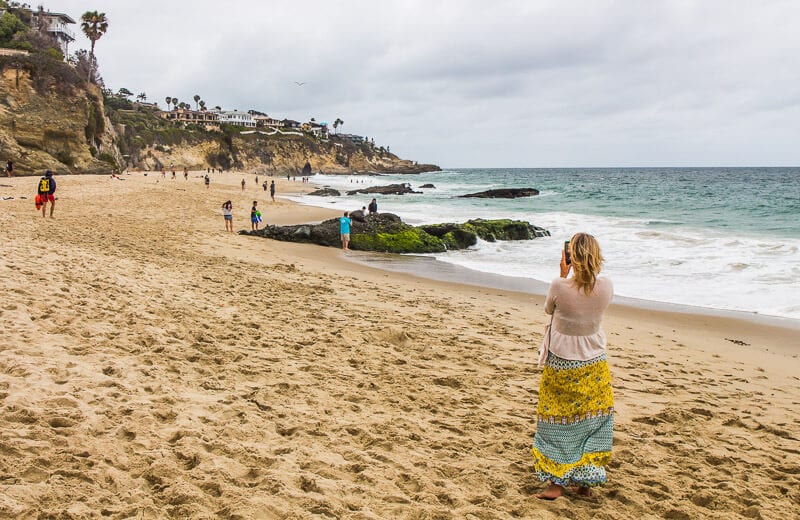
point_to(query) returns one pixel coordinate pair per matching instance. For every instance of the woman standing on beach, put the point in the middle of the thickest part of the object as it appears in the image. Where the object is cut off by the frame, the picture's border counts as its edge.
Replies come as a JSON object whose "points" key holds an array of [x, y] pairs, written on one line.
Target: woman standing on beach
{"points": [[227, 214], [575, 425]]}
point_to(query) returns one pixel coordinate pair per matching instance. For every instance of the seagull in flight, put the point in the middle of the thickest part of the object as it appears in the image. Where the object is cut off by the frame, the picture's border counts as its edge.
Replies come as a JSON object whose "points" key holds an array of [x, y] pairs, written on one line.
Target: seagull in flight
{"points": [[299, 83]]}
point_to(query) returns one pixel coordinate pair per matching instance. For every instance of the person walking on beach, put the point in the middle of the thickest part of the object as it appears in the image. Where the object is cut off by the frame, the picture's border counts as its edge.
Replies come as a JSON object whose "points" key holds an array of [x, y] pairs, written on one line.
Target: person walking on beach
{"points": [[575, 424], [227, 214], [243, 183], [207, 181], [9, 167], [46, 193], [344, 230], [272, 190], [185, 173], [255, 216], [373, 207]]}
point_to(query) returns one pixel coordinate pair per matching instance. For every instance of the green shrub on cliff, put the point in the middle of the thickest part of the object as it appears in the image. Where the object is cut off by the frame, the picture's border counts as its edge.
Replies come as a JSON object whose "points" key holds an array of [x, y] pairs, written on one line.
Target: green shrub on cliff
{"points": [[10, 26]]}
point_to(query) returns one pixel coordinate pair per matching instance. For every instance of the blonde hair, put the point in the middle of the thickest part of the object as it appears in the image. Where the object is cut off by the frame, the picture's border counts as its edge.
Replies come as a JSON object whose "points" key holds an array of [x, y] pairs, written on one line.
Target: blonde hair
{"points": [[586, 261]]}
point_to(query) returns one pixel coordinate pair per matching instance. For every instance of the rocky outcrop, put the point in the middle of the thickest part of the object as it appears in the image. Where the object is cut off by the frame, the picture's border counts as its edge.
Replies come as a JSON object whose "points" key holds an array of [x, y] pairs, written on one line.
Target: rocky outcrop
{"points": [[45, 129], [504, 193], [425, 186], [390, 189], [385, 232], [325, 192]]}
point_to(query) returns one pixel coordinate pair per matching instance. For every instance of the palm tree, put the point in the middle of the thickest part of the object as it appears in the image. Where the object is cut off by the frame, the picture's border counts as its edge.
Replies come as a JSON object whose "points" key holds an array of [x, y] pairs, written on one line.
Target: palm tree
{"points": [[202, 105], [337, 123], [175, 103], [169, 101], [197, 101], [94, 25], [142, 96]]}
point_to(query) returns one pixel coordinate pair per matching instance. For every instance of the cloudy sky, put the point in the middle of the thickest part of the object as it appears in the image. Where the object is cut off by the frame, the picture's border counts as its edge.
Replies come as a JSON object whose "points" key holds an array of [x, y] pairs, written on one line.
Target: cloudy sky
{"points": [[496, 83]]}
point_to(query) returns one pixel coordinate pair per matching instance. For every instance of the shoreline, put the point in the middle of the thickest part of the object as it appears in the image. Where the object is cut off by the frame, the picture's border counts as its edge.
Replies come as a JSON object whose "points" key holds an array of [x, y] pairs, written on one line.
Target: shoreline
{"points": [[429, 267]]}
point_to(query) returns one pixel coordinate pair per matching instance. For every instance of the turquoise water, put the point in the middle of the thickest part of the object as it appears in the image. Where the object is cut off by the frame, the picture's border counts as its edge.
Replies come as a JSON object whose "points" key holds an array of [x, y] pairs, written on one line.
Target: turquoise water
{"points": [[722, 238]]}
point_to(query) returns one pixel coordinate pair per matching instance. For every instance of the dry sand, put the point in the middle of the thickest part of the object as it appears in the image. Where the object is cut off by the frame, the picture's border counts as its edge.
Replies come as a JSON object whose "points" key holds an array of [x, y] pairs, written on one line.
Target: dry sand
{"points": [[154, 366]]}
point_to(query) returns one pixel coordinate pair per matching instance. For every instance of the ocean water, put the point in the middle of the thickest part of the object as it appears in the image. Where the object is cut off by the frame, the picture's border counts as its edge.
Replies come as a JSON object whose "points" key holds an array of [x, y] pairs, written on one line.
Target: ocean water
{"points": [[719, 238]]}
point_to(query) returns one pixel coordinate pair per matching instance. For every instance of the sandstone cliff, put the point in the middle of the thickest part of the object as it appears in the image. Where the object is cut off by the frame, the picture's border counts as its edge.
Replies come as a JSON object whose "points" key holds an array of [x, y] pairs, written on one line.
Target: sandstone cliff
{"points": [[50, 129], [50, 119], [259, 153]]}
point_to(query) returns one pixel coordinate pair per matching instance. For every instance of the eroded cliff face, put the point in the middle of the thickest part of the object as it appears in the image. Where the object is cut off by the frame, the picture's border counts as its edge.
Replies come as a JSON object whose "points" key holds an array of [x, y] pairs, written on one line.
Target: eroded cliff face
{"points": [[283, 155], [48, 131], [66, 130]]}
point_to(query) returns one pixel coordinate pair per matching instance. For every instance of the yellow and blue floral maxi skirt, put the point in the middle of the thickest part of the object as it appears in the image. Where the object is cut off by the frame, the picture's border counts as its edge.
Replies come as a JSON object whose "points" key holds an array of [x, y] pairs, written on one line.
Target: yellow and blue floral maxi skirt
{"points": [[575, 424]]}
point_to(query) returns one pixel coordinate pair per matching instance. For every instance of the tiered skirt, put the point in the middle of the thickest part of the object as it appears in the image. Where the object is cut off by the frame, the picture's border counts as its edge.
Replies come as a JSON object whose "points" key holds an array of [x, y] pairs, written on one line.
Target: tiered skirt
{"points": [[575, 423]]}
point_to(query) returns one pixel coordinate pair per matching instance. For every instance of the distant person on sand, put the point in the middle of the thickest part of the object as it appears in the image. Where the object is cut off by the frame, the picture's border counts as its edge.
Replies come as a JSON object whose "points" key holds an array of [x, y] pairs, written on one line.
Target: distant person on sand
{"points": [[173, 175], [272, 190], [9, 167], [243, 184], [227, 214], [46, 193], [185, 174], [373, 207], [207, 180], [575, 415], [255, 216], [344, 230], [264, 185]]}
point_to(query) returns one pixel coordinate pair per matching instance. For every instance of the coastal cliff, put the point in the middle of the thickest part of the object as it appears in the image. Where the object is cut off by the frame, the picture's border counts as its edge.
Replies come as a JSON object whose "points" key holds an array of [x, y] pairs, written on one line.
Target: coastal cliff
{"points": [[45, 125], [52, 120]]}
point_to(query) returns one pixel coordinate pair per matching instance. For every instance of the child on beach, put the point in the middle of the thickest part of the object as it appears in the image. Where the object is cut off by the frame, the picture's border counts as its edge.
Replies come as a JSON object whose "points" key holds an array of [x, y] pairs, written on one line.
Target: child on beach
{"points": [[255, 216], [227, 214]]}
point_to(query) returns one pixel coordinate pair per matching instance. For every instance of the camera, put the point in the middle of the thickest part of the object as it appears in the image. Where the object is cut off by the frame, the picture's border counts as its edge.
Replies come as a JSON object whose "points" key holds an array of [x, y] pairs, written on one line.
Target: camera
{"points": [[566, 253]]}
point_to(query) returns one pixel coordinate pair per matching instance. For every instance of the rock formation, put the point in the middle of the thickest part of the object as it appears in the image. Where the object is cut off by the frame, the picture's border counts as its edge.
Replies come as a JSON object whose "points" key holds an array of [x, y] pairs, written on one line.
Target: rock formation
{"points": [[385, 232], [325, 192], [503, 193], [390, 189], [47, 128]]}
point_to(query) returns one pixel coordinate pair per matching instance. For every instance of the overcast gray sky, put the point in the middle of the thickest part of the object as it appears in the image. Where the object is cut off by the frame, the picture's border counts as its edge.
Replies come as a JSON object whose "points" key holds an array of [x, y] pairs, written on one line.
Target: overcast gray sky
{"points": [[484, 83]]}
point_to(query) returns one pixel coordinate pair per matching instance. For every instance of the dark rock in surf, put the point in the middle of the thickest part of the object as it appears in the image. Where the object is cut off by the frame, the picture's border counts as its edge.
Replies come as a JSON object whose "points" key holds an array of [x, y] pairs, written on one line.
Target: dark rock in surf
{"points": [[391, 189], [503, 193], [325, 192]]}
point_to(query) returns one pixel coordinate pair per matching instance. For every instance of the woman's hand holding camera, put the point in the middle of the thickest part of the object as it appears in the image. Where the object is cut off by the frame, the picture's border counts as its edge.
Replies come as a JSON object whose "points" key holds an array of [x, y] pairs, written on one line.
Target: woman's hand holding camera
{"points": [[565, 267]]}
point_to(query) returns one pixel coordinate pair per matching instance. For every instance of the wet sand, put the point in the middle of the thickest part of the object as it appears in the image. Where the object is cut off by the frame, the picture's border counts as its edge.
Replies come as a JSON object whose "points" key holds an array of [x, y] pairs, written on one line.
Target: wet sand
{"points": [[153, 365]]}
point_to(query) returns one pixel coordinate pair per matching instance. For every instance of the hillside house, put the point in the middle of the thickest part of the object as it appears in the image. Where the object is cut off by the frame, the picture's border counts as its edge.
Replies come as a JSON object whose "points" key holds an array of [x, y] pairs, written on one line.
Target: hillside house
{"points": [[355, 139], [267, 122], [235, 118], [56, 26], [290, 123], [182, 115]]}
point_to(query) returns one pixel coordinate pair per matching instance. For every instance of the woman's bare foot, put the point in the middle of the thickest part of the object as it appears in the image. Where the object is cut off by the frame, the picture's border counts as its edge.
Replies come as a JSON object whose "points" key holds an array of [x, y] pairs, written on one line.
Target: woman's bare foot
{"points": [[585, 491], [552, 492]]}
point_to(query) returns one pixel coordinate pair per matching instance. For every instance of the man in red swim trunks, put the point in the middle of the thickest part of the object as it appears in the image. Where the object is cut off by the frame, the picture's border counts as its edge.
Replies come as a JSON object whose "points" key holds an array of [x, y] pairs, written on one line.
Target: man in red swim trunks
{"points": [[46, 193]]}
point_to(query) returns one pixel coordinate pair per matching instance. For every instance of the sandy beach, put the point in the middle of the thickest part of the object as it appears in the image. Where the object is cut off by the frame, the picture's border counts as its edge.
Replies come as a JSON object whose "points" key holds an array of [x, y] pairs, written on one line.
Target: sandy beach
{"points": [[154, 366]]}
